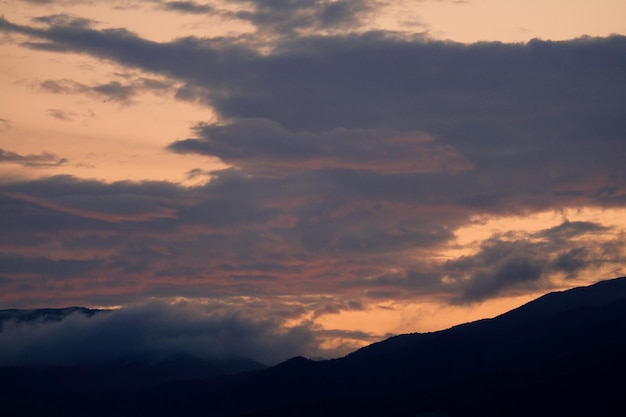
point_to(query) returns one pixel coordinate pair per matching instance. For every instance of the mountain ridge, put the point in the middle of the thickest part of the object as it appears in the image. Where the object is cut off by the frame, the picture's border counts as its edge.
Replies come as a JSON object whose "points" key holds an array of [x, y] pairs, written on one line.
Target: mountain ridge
{"points": [[602, 292]]}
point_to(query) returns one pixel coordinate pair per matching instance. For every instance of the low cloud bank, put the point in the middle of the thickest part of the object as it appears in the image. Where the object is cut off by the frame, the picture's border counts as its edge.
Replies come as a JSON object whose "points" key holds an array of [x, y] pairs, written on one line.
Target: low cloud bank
{"points": [[154, 331]]}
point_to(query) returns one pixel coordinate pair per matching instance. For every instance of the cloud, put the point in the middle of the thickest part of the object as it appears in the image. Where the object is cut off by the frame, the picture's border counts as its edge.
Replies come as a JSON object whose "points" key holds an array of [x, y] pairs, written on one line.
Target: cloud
{"points": [[103, 216], [322, 232], [60, 114], [42, 160], [568, 230], [95, 200], [510, 112], [111, 91], [22, 265], [65, 20], [354, 158], [284, 17], [528, 261], [152, 331], [188, 7], [257, 144]]}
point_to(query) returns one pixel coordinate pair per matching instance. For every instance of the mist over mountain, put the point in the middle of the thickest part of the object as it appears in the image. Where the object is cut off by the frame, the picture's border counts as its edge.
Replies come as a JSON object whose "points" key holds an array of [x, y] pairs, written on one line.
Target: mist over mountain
{"points": [[109, 349], [561, 353], [153, 331], [43, 315]]}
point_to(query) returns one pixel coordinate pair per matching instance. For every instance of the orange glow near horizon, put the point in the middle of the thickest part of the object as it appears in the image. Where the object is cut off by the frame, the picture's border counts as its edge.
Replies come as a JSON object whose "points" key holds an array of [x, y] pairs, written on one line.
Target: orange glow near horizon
{"points": [[392, 318], [481, 228]]}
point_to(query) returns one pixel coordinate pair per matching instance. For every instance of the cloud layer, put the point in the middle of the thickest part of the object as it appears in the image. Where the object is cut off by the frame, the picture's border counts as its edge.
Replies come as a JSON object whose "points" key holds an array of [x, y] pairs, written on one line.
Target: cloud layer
{"points": [[355, 158], [152, 332]]}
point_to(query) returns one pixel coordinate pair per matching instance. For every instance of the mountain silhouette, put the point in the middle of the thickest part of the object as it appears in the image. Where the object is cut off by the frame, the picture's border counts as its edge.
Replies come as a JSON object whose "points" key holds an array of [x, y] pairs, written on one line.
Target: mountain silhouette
{"points": [[561, 354]]}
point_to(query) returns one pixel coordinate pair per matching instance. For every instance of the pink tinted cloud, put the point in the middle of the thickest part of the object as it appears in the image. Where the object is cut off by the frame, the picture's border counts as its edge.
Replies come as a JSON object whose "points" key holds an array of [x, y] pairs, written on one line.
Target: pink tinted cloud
{"points": [[163, 213]]}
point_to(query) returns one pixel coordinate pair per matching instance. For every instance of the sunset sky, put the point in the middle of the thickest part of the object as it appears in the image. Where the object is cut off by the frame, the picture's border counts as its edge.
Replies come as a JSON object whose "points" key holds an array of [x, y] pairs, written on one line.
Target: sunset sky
{"points": [[319, 173]]}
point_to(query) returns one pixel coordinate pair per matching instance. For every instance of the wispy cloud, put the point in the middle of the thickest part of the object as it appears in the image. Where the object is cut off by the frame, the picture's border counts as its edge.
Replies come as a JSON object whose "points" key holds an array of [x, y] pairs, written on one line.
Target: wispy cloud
{"points": [[44, 159], [61, 114], [113, 90]]}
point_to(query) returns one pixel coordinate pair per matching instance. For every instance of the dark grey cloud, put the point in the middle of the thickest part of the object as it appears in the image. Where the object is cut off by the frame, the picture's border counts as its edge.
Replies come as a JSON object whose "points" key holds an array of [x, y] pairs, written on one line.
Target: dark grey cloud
{"points": [[113, 90], [93, 200], [263, 236], [44, 46], [520, 115], [66, 20], [64, 268], [285, 17], [514, 271], [189, 7], [42, 160], [260, 144], [572, 261], [568, 230], [526, 261], [152, 331], [72, 187], [353, 156]]}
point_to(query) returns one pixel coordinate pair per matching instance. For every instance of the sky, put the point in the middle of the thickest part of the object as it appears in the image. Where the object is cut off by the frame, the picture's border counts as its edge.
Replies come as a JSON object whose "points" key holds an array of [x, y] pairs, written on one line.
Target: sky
{"points": [[306, 176]]}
